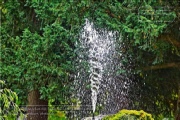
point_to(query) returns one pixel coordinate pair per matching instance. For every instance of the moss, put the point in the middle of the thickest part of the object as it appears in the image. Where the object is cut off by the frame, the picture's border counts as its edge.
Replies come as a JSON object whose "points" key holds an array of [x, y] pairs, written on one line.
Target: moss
{"points": [[129, 115]]}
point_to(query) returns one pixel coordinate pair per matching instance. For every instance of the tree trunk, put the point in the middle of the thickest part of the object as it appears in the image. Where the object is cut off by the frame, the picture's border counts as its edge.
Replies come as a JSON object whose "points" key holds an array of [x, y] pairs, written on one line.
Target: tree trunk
{"points": [[178, 104], [37, 109]]}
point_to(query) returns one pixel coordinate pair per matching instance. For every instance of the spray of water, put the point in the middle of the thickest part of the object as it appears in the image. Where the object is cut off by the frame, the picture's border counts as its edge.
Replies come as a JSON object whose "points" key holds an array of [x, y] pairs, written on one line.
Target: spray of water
{"points": [[99, 48], [99, 55]]}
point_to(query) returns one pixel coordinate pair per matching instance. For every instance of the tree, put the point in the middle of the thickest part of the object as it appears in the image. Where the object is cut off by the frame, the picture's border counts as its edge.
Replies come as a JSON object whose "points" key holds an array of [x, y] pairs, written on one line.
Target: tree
{"points": [[151, 33], [155, 47], [36, 52]]}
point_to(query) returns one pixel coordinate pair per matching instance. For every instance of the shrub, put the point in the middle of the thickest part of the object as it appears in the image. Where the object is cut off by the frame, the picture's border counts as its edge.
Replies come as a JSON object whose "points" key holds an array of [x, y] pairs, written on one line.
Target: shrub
{"points": [[129, 115]]}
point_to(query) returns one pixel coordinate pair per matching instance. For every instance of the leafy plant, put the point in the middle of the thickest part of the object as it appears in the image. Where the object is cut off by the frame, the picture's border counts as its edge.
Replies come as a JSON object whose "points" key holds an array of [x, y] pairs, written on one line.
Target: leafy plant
{"points": [[8, 99], [129, 115]]}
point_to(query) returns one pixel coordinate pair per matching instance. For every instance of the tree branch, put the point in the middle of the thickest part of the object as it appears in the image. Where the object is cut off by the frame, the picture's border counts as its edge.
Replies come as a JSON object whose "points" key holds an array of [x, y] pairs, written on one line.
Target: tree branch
{"points": [[169, 38], [163, 66]]}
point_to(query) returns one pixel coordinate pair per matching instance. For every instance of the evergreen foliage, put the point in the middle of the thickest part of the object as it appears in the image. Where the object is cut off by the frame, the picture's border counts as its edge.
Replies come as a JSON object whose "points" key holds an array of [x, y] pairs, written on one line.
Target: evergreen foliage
{"points": [[38, 44]]}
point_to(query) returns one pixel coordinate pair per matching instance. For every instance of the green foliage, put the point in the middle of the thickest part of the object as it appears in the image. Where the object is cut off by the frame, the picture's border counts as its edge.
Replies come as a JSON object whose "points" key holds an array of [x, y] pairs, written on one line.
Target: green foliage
{"points": [[129, 115], [8, 99], [38, 39], [143, 30], [39, 54], [162, 117], [55, 114], [37, 57]]}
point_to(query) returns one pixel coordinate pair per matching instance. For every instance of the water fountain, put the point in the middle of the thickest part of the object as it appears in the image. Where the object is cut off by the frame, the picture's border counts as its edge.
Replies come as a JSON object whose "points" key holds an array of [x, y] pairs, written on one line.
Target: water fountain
{"points": [[99, 54]]}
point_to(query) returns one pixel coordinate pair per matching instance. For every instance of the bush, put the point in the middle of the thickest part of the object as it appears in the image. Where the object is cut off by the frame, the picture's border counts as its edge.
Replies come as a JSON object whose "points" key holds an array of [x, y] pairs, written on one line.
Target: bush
{"points": [[129, 115]]}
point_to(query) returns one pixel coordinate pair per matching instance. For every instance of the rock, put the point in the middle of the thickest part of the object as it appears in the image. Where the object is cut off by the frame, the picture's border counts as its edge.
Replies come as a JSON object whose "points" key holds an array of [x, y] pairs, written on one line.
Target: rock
{"points": [[99, 117]]}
